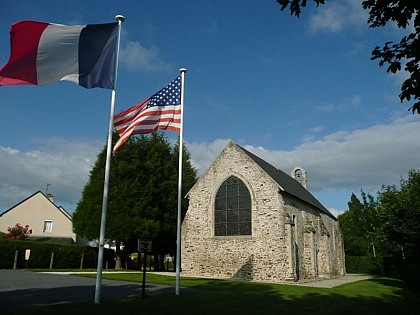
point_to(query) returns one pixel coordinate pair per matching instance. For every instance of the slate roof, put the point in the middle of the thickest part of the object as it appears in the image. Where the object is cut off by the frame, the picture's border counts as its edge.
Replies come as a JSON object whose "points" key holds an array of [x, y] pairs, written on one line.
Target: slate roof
{"points": [[288, 184]]}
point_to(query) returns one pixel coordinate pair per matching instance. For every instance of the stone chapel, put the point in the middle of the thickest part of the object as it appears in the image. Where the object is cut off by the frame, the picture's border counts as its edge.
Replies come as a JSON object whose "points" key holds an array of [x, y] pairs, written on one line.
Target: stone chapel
{"points": [[249, 220]]}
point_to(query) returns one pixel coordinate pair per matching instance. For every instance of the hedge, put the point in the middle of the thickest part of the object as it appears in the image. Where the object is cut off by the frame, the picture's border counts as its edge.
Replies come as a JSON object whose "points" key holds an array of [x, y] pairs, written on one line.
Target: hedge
{"points": [[364, 264], [65, 256]]}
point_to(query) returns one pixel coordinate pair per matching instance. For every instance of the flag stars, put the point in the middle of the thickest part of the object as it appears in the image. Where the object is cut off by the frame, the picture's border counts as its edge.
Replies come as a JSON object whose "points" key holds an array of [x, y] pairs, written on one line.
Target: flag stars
{"points": [[170, 95], [160, 111]]}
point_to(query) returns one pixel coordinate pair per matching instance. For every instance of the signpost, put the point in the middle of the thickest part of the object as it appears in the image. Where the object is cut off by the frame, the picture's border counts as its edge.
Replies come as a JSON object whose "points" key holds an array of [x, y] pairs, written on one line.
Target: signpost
{"points": [[144, 246], [27, 255]]}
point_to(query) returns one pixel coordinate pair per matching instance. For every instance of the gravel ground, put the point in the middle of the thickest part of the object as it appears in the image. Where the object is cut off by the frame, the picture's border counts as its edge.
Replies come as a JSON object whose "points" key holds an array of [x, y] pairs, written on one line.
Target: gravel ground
{"points": [[318, 283], [333, 282]]}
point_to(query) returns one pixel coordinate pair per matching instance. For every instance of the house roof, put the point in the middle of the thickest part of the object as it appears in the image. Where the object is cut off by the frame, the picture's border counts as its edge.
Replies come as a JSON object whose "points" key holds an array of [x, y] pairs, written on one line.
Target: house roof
{"points": [[60, 208], [287, 183]]}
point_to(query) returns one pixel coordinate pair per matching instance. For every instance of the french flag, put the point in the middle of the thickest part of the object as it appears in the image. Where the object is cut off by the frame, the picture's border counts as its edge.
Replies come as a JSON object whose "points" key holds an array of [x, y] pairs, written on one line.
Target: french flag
{"points": [[43, 53]]}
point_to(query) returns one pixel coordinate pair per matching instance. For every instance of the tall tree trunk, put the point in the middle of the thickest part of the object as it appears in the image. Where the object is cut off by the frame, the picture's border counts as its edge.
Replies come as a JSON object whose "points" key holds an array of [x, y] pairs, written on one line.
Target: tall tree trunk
{"points": [[118, 264], [373, 250]]}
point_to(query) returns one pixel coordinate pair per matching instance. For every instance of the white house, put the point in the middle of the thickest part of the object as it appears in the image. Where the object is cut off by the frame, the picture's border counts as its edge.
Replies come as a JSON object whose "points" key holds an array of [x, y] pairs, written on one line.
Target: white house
{"points": [[46, 221]]}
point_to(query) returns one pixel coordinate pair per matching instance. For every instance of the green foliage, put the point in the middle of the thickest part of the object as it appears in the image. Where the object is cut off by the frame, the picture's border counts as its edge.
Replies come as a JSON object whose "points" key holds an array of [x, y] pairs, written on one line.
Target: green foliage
{"points": [[364, 264], [361, 227], [65, 256], [388, 227], [355, 242], [400, 213], [296, 5], [142, 198], [403, 55]]}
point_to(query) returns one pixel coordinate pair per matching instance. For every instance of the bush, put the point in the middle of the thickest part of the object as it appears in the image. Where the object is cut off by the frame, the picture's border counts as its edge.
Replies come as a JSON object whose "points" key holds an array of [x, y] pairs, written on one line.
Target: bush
{"points": [[410, 271], [365, 264], [393, 266], [18, 232], [65, 256]]}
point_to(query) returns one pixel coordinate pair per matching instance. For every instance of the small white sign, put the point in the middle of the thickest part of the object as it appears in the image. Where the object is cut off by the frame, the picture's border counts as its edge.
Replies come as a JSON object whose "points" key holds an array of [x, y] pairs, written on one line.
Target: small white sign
{"points": [[27, 254]]}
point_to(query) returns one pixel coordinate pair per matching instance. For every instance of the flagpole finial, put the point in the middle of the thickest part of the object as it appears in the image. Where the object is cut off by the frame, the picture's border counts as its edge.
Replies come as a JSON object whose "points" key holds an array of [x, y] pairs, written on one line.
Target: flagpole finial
{"points": [[182, 70], [120, 17]]}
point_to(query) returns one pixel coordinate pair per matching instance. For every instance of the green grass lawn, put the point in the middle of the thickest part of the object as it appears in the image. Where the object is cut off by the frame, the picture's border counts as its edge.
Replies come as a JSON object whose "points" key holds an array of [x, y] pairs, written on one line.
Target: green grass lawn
{"points": [[373, 296]]}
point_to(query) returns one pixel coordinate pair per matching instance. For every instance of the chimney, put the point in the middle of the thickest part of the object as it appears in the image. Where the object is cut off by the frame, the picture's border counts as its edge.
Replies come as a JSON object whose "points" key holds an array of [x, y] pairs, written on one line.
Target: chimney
{"points": [[50, 198]]}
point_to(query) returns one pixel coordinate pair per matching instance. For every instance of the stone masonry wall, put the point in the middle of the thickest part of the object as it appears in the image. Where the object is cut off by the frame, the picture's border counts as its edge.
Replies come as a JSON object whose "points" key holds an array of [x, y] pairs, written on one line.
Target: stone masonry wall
{"points": [[278, 248], [318, 241]]}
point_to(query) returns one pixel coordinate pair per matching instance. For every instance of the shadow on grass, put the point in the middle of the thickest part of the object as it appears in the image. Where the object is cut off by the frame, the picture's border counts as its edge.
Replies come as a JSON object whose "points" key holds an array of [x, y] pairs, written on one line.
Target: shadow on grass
{"points": [[376, 296], [373, 296], [394, 282]]}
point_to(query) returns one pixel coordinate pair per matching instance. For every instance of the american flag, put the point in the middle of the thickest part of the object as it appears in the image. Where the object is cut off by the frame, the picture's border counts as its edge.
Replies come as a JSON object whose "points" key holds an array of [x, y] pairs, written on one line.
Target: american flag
{"points": [[160, 111]]}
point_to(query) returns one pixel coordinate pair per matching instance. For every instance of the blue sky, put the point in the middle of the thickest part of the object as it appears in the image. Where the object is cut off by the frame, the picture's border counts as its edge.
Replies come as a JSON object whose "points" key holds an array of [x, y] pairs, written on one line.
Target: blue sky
{"points": [[293, 91]]}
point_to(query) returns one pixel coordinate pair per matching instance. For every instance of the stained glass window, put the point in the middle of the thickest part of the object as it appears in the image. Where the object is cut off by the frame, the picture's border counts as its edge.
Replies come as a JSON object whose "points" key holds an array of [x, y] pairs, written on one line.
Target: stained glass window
{"points": [[232, 213]]}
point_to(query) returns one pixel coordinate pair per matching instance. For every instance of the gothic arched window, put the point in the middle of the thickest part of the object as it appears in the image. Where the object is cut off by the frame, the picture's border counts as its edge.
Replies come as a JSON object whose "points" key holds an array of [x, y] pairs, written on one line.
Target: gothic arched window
{"points": [[232, 209]]}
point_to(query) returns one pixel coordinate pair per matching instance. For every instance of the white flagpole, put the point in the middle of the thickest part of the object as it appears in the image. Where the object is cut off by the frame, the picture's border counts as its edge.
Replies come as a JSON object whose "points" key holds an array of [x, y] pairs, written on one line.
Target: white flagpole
{"points": [[178, 230], [120, 19]]}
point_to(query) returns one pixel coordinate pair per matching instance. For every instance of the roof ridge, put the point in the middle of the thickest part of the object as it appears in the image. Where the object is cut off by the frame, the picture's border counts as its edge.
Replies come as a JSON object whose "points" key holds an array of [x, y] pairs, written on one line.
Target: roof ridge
{"points": [[286, 182]]}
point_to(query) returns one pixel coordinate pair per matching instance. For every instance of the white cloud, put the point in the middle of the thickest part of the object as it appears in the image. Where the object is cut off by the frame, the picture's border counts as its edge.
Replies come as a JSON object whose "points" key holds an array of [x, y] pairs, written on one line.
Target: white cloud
{"points": [[316, 129], [334, 17], [63, 164], [348, 103], [343, 161], [337, 164], [325, 107], [335, 212], [137, 57], [400, 76], [357, 48], [364, 158], [204, 153]]}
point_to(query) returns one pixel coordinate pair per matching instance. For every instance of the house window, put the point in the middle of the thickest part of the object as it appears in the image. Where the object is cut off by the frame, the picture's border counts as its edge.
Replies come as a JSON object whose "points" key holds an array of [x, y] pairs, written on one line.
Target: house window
{"points": [[48, 226], [232, 209]]}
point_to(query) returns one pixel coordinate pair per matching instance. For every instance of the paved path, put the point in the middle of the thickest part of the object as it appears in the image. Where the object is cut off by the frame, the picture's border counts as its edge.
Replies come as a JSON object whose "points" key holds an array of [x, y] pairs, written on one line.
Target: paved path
{"points": [[20, 290], [333, 282], [318, 283]]}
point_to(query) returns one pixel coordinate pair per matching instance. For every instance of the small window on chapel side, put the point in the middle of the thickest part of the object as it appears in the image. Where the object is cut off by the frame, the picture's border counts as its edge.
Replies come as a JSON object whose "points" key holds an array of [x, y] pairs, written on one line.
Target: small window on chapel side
{"points": [[232, 210]]}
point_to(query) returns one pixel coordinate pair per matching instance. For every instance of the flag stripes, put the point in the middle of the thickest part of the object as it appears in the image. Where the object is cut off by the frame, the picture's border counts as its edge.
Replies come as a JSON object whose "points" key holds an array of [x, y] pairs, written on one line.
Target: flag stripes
{"points": [[148, 121], [160, 111], [44, 53]]}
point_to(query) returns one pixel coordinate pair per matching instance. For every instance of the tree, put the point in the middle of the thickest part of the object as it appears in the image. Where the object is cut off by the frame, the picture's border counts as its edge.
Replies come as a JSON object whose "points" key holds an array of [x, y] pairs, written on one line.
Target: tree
{"points": [[388, 225], [361, 227], [406, 53], [355, 243], [142, 198], [400, 213]]}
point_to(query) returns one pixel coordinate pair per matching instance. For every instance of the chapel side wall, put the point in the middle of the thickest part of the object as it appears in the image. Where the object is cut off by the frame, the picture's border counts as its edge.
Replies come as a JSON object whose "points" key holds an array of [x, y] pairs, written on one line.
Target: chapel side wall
{"points": [[319, 248], [302, 216], [261, 256]]}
